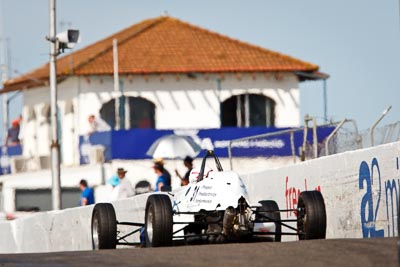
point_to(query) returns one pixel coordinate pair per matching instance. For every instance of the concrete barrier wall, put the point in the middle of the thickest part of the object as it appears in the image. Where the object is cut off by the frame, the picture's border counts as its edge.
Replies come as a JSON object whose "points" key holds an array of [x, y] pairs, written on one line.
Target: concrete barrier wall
{"points": [[65, 230], [360, 190]]}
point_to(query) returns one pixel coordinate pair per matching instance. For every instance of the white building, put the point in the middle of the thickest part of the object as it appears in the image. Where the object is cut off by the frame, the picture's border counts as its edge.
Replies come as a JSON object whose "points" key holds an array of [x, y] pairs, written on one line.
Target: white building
{"points": [[173, 75]]}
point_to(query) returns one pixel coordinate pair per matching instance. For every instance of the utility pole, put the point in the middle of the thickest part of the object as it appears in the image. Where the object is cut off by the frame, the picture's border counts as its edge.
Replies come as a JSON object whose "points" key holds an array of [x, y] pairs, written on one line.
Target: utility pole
{"points": [[219, 87], [3, 63], [116, 86], [5, 98], [55, 146], [325, 101], [5, 75]]}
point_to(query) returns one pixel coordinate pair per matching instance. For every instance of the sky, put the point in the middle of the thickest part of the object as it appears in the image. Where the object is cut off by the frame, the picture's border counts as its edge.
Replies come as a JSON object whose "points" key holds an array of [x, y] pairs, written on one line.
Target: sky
{"points": [[356, 42]]}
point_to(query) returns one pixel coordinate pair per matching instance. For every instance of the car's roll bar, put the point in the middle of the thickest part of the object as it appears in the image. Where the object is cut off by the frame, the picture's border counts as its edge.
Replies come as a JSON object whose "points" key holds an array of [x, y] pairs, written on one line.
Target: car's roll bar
{"points": [[203, 164]]}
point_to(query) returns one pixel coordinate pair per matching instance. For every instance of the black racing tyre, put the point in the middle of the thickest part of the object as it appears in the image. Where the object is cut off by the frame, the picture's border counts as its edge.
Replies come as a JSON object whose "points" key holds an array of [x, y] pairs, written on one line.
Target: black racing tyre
{"points": [[269, 211], [104, 227], [158, 221], [311, 216]]}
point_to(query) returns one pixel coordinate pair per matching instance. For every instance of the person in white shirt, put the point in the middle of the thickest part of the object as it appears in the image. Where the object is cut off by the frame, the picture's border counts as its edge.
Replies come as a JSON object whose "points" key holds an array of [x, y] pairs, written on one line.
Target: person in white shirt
{"points": [[96, 124], [124, 188]]}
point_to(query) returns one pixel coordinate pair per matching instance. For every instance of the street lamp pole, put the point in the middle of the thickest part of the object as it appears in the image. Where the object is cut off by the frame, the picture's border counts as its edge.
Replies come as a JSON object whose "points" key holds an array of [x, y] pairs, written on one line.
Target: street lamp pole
{"points": [[55, 146], [5, 99], [325, 102]]}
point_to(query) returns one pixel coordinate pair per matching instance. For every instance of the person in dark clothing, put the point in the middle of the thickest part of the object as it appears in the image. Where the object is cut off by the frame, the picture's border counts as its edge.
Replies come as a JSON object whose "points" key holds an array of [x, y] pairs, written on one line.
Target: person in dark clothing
{"points": [[188, 162], [12, 138]]}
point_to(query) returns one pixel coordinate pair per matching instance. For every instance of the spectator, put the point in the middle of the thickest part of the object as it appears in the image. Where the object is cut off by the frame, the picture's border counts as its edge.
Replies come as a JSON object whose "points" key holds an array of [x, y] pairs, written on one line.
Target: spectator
{"points": [[188, 162], [124, 188], [87, 197], [97, 125], [12, 134], [161, 179], [114, 190], [166, 173]]}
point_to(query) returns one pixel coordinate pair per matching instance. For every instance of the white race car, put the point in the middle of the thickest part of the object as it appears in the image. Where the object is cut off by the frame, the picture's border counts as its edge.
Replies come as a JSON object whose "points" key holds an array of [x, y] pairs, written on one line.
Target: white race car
{"points": [[213, 208]]}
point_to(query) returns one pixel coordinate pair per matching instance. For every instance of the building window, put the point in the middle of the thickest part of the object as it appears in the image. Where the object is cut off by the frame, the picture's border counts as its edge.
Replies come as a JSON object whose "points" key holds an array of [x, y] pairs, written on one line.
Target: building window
{"points": [[138, 112], [107, 113], [141, 113], [40, 199], [248, 110]]}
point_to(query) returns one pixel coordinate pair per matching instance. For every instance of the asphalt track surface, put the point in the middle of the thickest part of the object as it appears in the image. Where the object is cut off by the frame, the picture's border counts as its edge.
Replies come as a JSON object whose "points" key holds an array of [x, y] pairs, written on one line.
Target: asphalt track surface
{"points": [[333, 252]]}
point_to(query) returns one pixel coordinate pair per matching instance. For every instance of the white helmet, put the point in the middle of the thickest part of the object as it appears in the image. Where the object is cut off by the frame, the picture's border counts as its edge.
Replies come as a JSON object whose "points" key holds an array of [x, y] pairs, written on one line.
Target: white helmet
{"points": [[194, 174]]}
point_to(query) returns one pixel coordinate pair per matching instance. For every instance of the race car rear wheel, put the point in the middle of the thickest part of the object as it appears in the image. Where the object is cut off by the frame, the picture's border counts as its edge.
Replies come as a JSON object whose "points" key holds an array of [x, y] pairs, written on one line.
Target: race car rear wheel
{"points": [[104, 227], [311, 216], [158, 221], [269, 211]]}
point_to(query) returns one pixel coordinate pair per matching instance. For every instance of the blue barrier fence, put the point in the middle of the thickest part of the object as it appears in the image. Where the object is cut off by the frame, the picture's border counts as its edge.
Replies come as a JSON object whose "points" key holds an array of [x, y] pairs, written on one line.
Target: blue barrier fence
{"points": [[133, 144]]}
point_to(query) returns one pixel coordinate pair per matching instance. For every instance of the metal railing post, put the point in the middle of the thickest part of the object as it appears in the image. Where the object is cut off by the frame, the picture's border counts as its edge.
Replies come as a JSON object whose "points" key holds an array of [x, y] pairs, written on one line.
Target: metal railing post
{"points": [[331, 135], [315, 138], [303, 147], [371, 131], [292, 146]]}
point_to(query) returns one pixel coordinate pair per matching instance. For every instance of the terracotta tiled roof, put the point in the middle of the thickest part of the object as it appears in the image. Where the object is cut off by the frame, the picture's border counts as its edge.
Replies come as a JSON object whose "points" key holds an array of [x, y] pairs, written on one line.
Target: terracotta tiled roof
{"points": [[165, 45]]}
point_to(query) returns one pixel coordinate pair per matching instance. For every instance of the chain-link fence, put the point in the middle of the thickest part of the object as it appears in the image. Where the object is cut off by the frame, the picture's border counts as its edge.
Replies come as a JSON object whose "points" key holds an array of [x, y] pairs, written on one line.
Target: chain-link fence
{"points": [[345, 140], [306, 143], [280, 147]]}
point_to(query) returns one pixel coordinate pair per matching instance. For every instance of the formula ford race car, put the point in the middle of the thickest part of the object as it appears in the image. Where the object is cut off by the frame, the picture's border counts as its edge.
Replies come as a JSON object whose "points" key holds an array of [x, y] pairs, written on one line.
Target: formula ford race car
{"points": [[213, 208]]}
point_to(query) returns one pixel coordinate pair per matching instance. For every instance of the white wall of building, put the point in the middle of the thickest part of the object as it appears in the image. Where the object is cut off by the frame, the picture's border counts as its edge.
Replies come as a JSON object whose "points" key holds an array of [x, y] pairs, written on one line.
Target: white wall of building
{"points": [[181, 103], [36, 123]]}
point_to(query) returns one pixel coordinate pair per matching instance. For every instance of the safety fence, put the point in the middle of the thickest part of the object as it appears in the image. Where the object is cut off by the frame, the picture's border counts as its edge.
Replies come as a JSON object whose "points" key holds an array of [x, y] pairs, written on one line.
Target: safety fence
{"points": [[342, 136]]}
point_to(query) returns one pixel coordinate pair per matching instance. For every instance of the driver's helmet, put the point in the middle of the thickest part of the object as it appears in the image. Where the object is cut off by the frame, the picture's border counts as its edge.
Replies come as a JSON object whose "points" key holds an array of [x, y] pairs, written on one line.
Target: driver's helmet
{"points": [[194, 174]]}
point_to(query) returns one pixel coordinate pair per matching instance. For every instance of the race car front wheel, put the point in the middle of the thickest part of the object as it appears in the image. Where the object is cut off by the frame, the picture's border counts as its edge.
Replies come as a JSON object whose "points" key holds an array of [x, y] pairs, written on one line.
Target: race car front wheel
{"points": [[104, 227], [269, 211], [158, 221], [311, 215]]}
